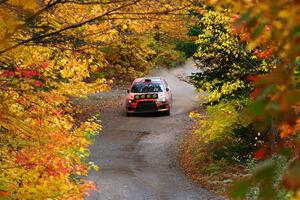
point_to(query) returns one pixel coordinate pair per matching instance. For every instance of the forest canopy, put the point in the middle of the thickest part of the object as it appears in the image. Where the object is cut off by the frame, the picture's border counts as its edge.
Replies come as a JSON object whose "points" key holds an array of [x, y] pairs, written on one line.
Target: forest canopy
{"points": [[51, 50]]}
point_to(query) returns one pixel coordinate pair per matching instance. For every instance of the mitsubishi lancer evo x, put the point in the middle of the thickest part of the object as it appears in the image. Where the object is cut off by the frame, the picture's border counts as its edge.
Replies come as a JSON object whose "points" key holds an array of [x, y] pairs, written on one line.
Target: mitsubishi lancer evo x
{"points": [[146, 95]]}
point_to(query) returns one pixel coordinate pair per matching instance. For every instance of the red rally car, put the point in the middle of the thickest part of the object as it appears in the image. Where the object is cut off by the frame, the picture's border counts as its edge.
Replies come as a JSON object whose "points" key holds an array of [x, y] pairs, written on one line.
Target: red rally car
{"points": [[148, 95]]}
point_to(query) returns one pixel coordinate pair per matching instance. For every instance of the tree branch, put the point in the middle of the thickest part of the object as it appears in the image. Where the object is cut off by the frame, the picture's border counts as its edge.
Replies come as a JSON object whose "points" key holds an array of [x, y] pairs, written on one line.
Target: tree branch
{"points": [[94, 2], [73, 26], [3, 1]]}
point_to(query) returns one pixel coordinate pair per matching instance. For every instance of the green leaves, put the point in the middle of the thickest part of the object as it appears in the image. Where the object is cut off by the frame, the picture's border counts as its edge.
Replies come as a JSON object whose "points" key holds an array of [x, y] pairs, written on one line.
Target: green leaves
{"points": [[259, 29], [266, 177], [224, 57], [296, 31], [256, 108], [240, 189]]}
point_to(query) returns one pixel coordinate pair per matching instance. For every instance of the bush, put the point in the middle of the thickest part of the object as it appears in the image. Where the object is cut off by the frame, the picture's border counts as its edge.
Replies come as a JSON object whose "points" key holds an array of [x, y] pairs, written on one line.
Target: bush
{"points": [[228, 134], [245, 141]]}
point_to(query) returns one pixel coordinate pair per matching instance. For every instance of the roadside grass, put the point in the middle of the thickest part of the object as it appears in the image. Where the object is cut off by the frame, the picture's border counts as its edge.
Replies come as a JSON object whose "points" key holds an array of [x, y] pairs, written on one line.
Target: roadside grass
{"points": [[198, 164]]}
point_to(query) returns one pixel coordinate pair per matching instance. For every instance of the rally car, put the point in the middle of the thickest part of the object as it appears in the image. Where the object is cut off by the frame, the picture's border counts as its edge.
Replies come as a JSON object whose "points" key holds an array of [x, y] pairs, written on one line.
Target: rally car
{"points": [[146, 95]]}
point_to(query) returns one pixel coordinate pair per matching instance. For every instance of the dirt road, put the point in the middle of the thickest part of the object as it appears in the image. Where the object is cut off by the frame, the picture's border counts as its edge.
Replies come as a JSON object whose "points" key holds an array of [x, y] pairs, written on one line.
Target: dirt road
{"points": [[137, 155]]}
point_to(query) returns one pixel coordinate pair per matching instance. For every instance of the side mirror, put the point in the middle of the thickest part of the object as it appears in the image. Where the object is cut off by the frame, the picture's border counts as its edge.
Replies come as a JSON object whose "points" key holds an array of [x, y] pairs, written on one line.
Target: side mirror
{"points": [[128, 91], [167, 89]]}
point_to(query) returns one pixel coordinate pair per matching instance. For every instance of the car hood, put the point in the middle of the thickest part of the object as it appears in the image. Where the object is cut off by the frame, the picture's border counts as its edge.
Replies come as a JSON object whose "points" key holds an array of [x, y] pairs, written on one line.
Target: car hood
{"points": [[131, 95]]}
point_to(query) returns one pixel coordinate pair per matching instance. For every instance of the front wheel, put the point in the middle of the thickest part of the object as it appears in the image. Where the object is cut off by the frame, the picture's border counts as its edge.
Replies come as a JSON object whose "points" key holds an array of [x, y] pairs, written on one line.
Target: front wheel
{"points": [[128, 114], [167, 113]]}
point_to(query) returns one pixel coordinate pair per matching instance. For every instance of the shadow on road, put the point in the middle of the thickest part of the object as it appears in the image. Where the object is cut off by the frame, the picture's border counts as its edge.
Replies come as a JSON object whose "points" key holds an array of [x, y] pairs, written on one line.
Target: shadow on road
{"points": [[153, 114]]}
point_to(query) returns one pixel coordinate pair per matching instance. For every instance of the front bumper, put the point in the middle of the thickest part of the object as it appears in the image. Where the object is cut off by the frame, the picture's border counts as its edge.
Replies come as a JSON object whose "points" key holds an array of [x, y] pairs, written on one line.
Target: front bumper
{"points": [[143, 106]]}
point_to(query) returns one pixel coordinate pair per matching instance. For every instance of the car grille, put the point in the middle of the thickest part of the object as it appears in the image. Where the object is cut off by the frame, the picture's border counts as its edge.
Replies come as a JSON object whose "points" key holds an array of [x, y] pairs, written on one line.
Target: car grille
{"points": [[146, 96], [146, 106]]}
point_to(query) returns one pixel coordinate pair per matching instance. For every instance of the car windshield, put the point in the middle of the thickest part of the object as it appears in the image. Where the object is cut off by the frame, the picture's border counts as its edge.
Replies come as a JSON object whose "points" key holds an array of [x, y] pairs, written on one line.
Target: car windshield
{"points": [[142, 87]]}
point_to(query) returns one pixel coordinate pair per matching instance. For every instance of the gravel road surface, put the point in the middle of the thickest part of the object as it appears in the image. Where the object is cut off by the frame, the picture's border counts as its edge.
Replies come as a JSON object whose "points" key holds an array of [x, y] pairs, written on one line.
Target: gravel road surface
{"points": [[137, 155]]}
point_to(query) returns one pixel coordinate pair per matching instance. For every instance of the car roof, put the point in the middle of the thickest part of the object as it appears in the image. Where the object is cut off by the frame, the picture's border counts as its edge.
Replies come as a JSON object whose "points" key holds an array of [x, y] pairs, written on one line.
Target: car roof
{"points": [[153, 79]]}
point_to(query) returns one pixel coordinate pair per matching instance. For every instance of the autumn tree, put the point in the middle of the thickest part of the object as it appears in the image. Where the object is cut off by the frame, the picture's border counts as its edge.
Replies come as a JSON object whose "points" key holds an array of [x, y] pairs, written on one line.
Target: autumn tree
{"points": [[224, 59], [223, 82], [271, 29], [48, 52]]}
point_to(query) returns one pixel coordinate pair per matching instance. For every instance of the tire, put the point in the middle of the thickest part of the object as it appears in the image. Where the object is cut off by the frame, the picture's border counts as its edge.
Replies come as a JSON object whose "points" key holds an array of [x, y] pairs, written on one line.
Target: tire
{"points": [[167, 113], [128, 114]]}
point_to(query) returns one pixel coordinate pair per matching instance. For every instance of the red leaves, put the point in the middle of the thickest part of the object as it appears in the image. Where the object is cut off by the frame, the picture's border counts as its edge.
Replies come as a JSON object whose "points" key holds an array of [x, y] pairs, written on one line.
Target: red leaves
{"points": [[261, 153], [263, 55], [88, 185], [38, 83], [234, 18], [18, 69], [52, 165], [19, 72], [252, 78], [8, 74], [39, 121], [3, 193], [255, 93], [56, 169], [289, 129], [44, 65], [28, 74], [240, 27], [23, 158]]}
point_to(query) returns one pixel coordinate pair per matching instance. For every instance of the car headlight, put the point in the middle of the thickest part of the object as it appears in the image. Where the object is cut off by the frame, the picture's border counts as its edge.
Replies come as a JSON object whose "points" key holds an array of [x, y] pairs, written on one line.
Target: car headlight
{"points": [[162, 98]]}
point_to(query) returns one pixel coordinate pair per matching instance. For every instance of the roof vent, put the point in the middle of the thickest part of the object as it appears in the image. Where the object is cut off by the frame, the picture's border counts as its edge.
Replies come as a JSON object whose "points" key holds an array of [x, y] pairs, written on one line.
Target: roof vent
{"points": [[147, 80]]}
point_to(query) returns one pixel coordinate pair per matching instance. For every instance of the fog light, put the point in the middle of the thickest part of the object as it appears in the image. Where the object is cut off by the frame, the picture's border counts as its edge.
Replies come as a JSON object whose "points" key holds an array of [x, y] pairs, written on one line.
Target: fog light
{"points": [[162, 98]]}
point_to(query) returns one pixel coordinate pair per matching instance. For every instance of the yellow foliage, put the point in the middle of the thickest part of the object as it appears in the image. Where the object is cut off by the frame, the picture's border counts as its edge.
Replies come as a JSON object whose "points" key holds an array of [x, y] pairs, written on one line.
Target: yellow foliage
{"points": [[218, 121], [49, 51]]}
